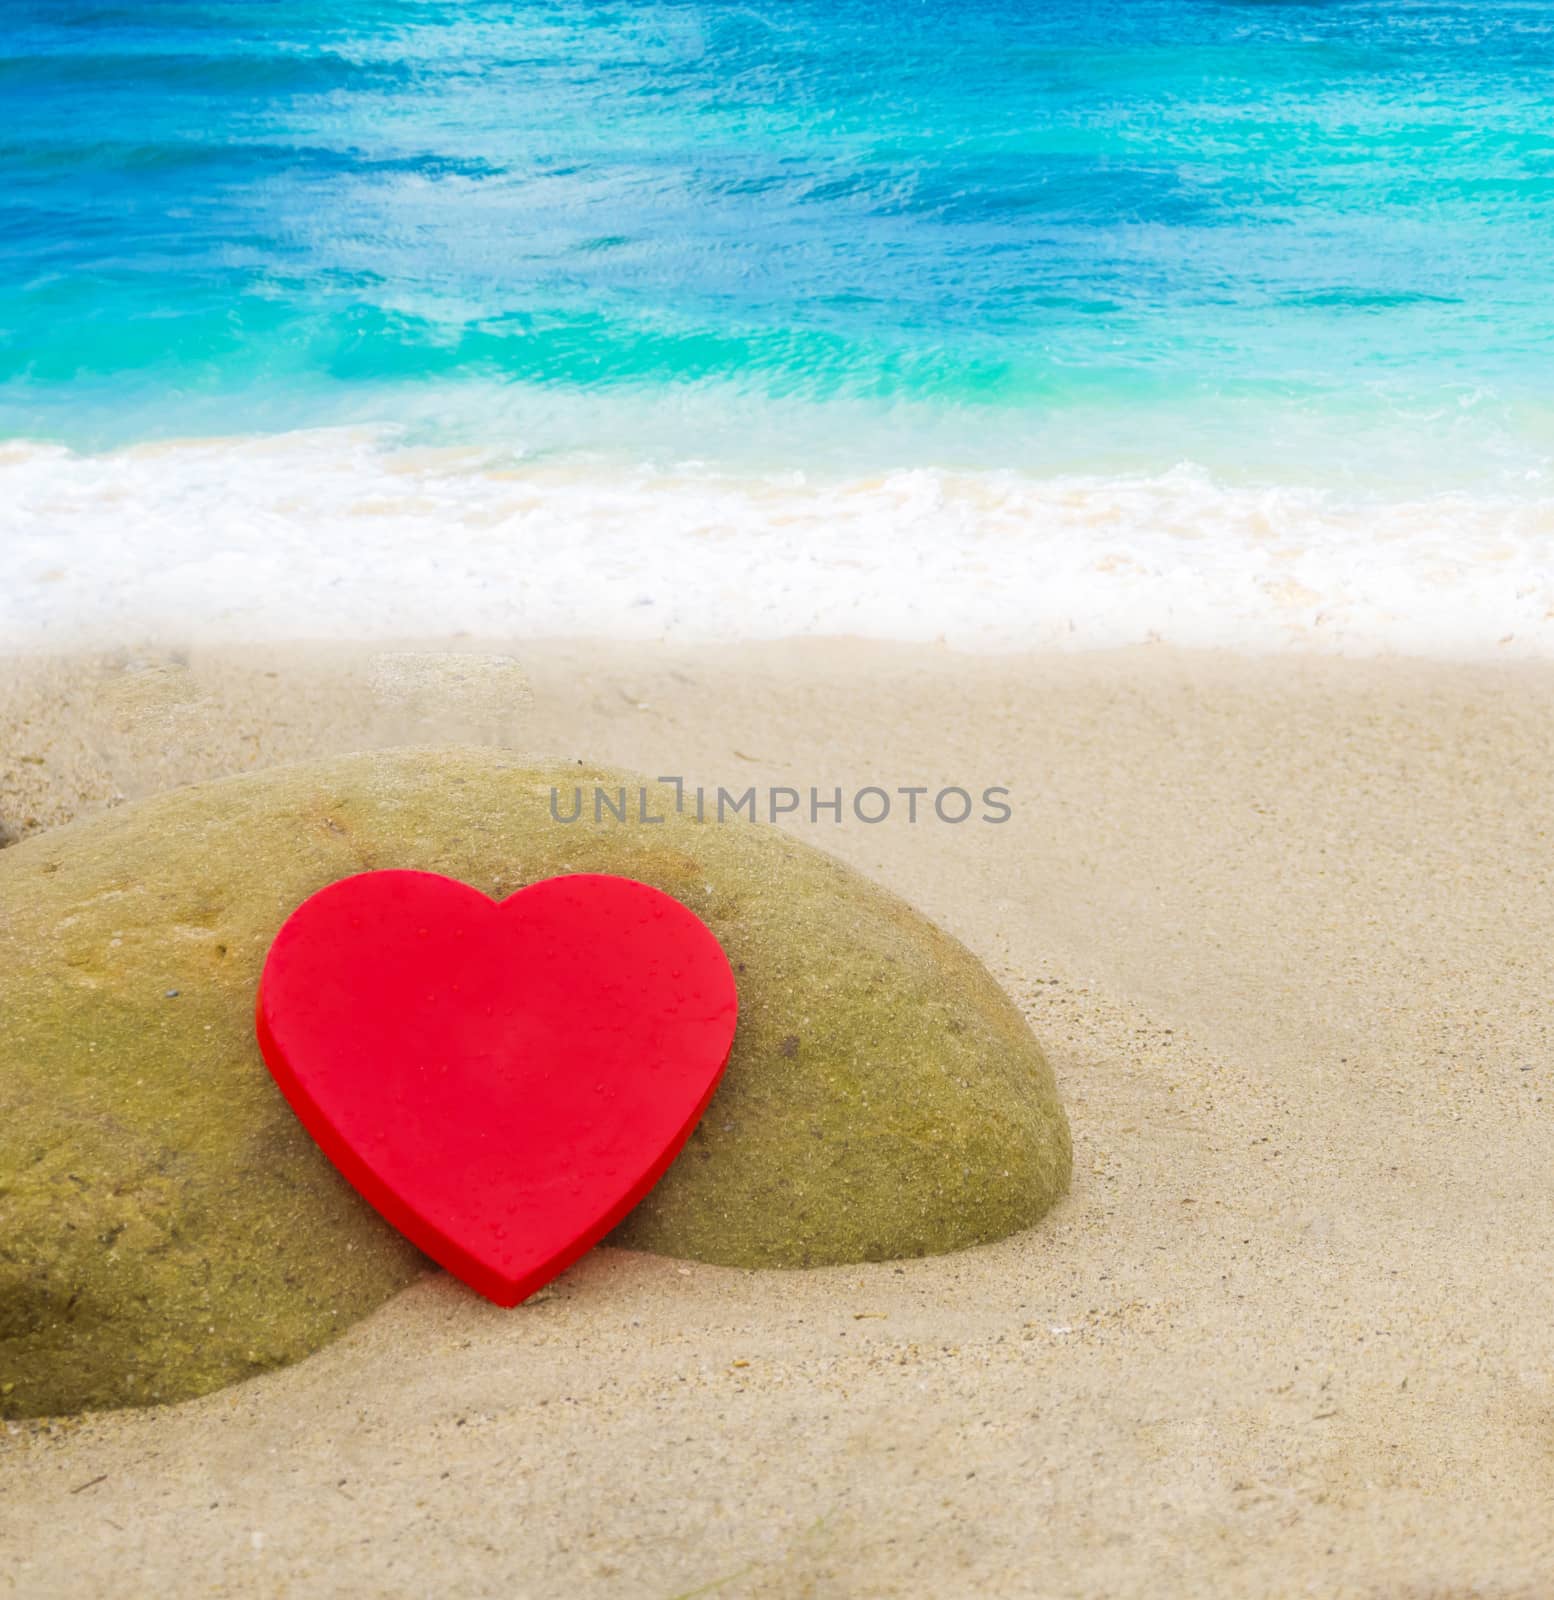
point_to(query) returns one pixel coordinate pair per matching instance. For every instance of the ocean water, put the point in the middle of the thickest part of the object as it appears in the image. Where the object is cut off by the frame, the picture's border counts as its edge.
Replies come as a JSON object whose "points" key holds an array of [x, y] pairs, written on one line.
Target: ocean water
{"points": [[1074, 322]]}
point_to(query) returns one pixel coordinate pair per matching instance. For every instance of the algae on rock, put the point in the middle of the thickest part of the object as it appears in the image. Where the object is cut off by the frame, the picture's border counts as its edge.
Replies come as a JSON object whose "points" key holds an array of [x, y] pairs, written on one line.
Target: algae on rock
{"points": [[167, 1226]]}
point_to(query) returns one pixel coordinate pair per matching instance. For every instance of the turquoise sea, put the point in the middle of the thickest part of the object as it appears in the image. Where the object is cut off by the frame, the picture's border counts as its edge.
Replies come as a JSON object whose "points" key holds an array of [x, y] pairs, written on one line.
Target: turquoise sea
{"points": [[1171, 257]]}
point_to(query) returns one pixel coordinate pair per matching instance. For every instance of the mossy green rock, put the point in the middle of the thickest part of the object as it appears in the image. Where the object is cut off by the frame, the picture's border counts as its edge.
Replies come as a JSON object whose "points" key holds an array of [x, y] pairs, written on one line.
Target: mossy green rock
{"points": [[167, 1226]]}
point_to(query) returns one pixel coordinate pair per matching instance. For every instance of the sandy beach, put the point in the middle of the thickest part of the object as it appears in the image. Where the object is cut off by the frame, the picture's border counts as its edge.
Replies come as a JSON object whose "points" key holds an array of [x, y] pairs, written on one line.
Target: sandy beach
{"points": [[1283, 927]]}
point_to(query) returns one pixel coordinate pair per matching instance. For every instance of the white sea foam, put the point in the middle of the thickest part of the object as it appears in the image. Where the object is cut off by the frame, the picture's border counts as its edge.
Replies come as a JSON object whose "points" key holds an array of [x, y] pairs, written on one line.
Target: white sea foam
{"points": [[343, 534]]}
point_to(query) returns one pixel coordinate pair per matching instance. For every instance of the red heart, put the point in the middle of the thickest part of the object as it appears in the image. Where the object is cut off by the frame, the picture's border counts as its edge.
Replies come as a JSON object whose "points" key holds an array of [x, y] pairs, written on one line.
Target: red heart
{"points": [[504, 1081]]}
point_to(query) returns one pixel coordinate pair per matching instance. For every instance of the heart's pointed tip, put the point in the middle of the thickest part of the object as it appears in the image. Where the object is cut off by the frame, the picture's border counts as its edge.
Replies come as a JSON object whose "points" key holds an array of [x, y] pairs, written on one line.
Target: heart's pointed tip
{"points": [[504, 1292], [507, 1285]]}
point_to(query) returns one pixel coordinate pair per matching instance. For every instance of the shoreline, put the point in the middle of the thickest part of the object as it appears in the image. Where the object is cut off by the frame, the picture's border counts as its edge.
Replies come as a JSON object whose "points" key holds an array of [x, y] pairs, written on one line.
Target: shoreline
{"points": [[340, 534], [1282, 926]]}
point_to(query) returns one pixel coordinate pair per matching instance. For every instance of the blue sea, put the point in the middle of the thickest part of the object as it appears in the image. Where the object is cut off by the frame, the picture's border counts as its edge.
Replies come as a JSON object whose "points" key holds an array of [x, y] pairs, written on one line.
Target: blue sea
{"points": [[1218, 321]]}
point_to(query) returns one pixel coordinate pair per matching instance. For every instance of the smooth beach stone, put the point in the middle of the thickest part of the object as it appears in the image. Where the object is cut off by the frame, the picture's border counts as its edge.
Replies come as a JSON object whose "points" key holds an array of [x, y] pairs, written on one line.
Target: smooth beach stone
{"points": [[166, 1224]]}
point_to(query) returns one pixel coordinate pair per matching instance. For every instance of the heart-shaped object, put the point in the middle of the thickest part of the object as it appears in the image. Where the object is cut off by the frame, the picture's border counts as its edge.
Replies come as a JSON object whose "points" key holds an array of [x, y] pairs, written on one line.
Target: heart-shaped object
{"points": [[503, 1080]]}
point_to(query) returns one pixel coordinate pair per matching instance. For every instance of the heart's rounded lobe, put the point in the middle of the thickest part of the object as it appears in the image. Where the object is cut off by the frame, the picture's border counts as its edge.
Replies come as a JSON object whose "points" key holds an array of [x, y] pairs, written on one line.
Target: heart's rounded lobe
{"points": [[502, 1080]]}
